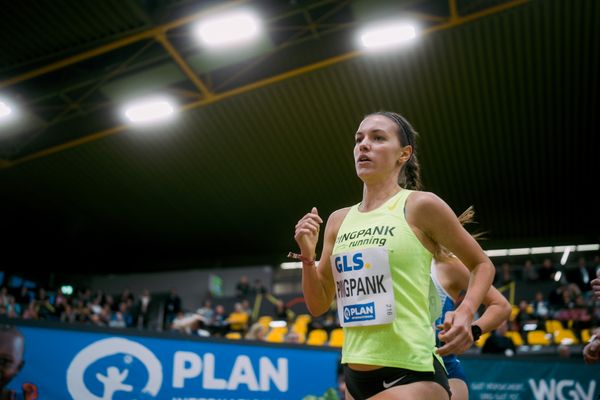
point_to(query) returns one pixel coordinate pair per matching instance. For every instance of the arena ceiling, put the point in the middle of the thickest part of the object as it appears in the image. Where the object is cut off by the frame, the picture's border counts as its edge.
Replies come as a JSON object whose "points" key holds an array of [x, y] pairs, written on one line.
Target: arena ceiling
{"points": [[503, 93]]}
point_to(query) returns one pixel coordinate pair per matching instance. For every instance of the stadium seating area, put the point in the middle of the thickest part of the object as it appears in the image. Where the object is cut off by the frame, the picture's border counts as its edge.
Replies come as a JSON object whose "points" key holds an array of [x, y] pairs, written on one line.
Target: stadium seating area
{"points": [[547, 312]]}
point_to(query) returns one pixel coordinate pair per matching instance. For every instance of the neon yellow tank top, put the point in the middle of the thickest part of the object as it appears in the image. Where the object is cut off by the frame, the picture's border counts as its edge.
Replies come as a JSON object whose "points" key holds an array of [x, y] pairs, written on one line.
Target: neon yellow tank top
{"points": [[408, 341]]}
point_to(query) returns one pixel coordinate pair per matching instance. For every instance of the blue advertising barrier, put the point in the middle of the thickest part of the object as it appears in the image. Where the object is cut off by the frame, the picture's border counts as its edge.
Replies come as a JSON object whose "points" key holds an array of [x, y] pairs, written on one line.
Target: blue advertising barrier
{"points": [[519, 379], [66, 362], [107, 365]]}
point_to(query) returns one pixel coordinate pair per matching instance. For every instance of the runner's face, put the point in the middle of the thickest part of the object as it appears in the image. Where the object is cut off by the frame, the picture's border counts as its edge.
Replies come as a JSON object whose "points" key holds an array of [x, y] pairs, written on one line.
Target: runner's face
{"points": [[377, 149], [11, 357]]}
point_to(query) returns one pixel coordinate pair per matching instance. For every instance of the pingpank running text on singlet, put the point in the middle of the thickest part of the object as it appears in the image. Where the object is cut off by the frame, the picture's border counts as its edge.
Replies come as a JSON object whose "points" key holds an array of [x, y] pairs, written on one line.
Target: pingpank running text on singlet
{"points": [[382, 280]]}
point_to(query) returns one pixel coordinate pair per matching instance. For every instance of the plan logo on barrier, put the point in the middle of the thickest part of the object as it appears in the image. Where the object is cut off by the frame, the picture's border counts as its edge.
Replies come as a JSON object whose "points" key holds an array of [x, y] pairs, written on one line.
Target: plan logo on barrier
{"points": [[100, 371]]}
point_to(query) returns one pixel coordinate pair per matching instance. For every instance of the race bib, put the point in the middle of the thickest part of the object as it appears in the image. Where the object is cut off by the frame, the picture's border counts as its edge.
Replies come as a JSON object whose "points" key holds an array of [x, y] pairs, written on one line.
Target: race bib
{"points": [[364, 291]]}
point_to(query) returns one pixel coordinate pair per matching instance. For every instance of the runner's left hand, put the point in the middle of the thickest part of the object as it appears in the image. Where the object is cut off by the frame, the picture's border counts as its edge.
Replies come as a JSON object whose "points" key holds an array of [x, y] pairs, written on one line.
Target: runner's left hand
{"points": [[456, 333]]}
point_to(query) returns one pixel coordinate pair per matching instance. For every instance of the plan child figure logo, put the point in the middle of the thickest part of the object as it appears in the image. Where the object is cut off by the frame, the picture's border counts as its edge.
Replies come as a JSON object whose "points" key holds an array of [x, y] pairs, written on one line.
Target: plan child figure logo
{"points": [[113, 382]]}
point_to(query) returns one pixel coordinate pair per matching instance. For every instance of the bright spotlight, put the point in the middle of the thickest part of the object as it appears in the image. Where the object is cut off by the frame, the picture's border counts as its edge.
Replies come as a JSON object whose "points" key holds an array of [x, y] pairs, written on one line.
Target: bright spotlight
{"points": [[387, 36], [8, 112], [228, 29], [149, 110], [5, 109]]}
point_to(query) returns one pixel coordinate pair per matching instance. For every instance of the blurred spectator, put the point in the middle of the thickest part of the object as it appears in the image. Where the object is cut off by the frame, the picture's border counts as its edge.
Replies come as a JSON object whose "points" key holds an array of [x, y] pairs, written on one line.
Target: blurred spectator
{"points": [[86, 296], [125, 296], [110, 302], [206, 313], [547, 270], [219, 324], [82, 313], [581, 275], [143, 309], [117, 320], [555, 298], [524, 316], [95, 306], [60, 301], [258, 287], [23, 298], [185, 323], [568, 301], [238, 319], [578, 313], [246, 307], [281, 311], [96, 320], [99, 297], [45, 309], [106, 314], [125, 310], [68, 315], [31, 311], [172, 307], [3, 295], [13, 309], [505, 276], [541, 309], [497, 343], [256, 332], [292, 337], [242, 289], [529, 272]]}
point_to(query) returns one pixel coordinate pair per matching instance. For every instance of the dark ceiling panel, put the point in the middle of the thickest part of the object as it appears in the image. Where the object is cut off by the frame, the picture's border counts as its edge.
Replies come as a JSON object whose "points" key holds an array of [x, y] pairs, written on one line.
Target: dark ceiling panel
{"points": [[47, 30], [506, 107]]}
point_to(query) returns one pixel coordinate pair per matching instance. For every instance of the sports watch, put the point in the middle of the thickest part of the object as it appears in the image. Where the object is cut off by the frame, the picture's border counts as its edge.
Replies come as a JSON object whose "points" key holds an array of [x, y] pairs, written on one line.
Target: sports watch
{"points": [[476, 332]]}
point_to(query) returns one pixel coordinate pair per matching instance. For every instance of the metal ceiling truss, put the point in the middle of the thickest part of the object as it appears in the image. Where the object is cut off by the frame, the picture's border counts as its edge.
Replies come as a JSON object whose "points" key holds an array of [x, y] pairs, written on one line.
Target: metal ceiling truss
{"points": [[314, 27]]}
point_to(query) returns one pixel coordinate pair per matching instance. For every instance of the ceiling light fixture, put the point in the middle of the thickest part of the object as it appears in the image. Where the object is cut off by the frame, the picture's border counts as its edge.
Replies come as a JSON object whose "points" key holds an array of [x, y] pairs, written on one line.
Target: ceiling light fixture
{"points": [[542, 250], [149, 110], [229, 29], [565, 256], [386, 36], [5, 109], [9, 113]]}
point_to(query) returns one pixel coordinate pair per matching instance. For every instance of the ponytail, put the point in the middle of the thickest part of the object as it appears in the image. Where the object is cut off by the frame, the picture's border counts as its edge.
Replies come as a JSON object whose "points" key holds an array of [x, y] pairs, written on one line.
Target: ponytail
{"points": [[467, 217], [410, 175]]}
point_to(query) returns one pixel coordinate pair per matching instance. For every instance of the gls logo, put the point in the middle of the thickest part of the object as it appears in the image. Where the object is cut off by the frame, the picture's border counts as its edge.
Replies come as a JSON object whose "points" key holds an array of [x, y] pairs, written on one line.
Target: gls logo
{"points": [[106, 354], [342, 265]]}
